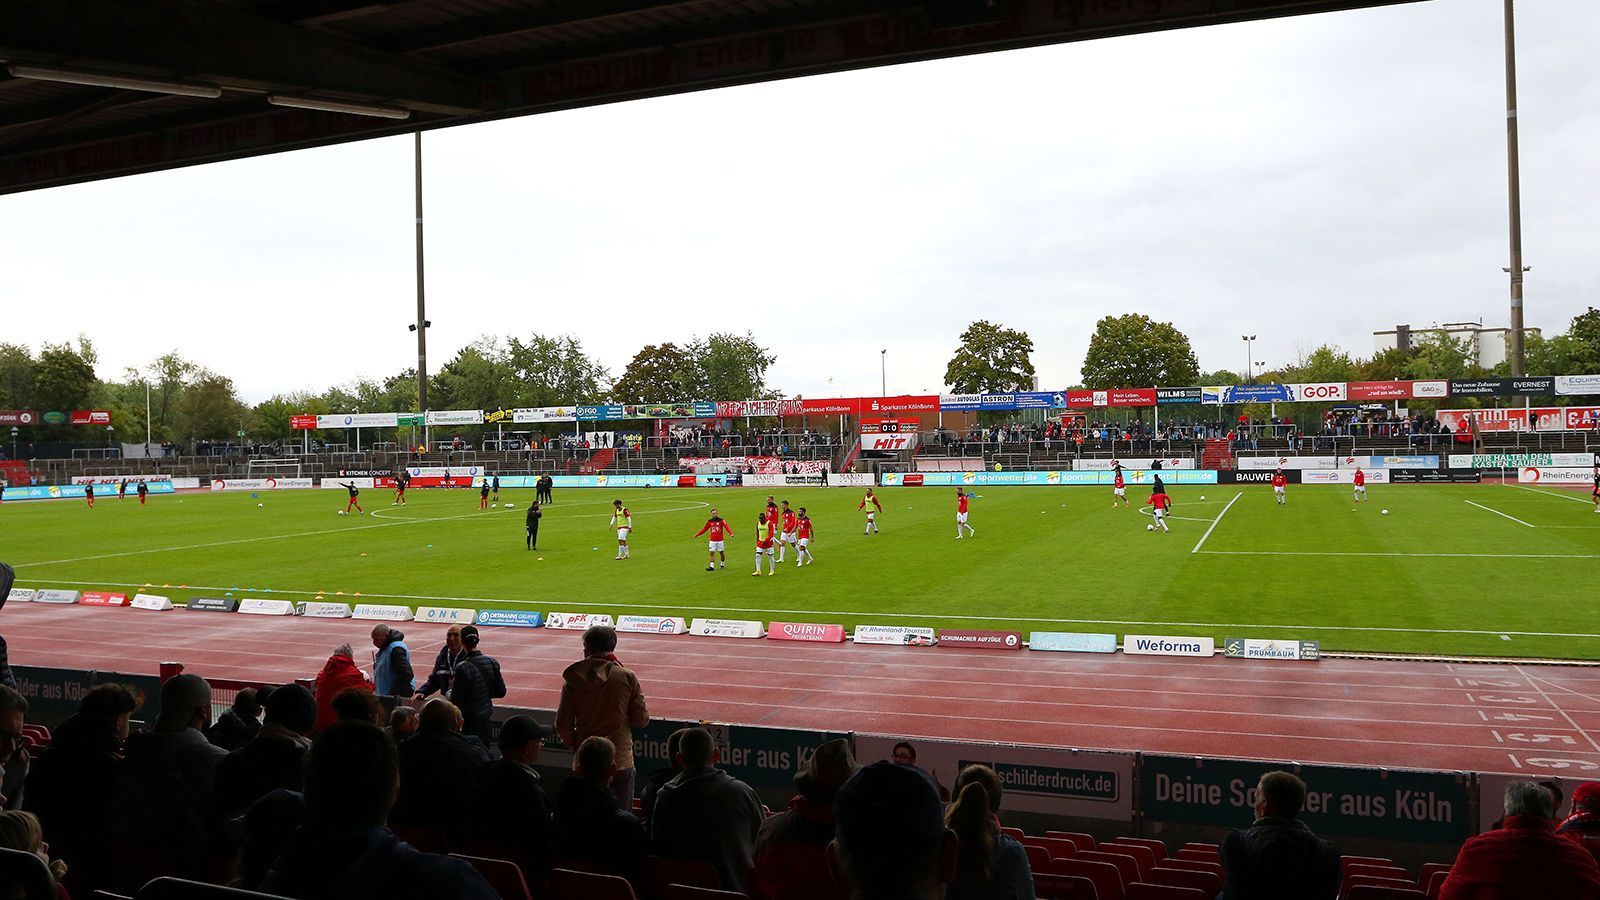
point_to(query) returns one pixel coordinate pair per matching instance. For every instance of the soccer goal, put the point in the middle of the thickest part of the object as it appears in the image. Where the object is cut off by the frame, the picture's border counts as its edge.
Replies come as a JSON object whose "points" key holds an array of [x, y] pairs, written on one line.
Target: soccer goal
{"points": [[272, 468]]}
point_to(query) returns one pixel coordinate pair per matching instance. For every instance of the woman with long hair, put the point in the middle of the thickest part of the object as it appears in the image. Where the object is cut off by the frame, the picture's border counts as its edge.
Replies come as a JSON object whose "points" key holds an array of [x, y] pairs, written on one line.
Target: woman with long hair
{"points": [[992, 866]]}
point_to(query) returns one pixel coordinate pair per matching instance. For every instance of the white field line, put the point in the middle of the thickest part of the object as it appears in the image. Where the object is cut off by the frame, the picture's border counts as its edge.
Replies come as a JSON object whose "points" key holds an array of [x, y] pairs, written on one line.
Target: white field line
{"points": [[1386, 553], [1564, 714], [478, 601], [1561, 496], [279, 537], [1499, 513], [1214, 522]]}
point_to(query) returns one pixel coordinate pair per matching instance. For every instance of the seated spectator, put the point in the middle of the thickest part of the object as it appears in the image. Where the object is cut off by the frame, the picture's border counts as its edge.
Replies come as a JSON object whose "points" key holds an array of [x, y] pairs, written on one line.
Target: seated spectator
{"points": [[705, 813], [509, 809], [439, 768], [993, 866], [391, 665], [238, 723], [360, 705], [344, 852], [72, 781], [659, 777], [1582, 827], [263, 834], [338, 675], [14, 759], [791, 847], [1279, 856], [21, 831], [274, 758], [890, 840], [1524, 859], [403, 723], [588, 826], [162, 806]]}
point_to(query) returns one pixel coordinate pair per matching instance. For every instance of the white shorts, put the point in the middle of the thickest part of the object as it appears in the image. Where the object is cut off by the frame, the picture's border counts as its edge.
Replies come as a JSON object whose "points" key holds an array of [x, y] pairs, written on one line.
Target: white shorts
{"points": [[1277, 489], [1361, 489], [788, 537], [622, 533], [764, 551], [961, 518], [871, 516], [716, 546], [1159, 514], [1120, 492], [804, 543]]}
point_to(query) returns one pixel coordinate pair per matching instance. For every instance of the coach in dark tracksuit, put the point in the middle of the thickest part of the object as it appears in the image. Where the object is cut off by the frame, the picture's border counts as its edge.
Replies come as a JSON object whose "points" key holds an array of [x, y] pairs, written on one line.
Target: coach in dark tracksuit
{"points": [[533, 526], [474, 685]]}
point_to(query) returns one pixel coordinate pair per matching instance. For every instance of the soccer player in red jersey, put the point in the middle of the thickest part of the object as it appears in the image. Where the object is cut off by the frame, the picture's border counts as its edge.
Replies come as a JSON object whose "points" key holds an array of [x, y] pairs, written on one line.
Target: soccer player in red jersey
{"points": [[1119, 489], [766, 536], [88, 494], [1361, 485], [1159, 504], [483, 494], [401, 479], [872, 512], [788, 521], [353, 494], [144, 491], [961, 515], [715, 529], [803, 541], [622, 521], [1279, 489]]}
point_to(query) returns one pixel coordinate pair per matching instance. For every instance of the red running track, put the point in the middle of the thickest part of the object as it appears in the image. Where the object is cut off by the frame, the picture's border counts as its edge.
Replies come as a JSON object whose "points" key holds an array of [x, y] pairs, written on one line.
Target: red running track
{"points": [[1456, 716]]}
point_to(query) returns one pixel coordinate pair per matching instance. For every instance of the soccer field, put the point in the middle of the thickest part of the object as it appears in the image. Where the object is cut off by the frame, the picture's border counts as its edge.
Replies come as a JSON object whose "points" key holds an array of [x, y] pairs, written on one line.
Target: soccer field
{"points": [[1465, 569]]}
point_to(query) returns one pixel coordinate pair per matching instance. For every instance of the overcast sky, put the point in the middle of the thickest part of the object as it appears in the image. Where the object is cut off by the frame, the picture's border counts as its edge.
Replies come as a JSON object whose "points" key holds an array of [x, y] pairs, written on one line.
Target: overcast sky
{"points": [[1308, 180]]}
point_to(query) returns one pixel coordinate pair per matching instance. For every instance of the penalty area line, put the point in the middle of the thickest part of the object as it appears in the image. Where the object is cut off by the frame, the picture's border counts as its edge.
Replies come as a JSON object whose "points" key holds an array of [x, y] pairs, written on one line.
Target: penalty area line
{"points": [[1499, 513], [1207, 535]]}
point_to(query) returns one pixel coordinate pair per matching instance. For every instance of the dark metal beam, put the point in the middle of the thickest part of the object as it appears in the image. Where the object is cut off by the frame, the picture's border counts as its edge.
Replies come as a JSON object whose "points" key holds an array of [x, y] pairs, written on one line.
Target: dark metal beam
{"points": [[562, 12]]}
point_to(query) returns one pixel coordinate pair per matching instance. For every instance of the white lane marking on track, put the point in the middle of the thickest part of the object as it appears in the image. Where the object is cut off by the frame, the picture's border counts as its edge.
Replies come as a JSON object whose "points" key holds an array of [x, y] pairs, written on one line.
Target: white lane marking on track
{"points": [[1562, 496], [1499, 513], [1296, 626], [1387, 553], [1562, 687], [1214, 522], [1564, 714]]}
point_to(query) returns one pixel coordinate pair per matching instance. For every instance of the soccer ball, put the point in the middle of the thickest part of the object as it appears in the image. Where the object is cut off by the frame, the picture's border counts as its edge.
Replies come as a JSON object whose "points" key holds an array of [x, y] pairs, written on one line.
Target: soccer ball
{"points": [[259, 505], [1149, 528], [508, 506], [1202, 496], [341, 512], [494, 506], [1384, 513]]}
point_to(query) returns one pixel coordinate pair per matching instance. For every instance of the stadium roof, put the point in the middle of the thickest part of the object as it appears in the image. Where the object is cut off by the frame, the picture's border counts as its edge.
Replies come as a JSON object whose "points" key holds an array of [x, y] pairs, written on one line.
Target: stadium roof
{"points": [[87, 86]]}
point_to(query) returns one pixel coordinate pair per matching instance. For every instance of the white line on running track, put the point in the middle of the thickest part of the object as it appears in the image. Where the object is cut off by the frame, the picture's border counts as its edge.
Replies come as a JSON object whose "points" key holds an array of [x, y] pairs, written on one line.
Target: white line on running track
{"points": [[1558, 708], [1562, 687], [1297, 626], [1214, 522], [1388, 553], [1499, 513], [1562, 496]]}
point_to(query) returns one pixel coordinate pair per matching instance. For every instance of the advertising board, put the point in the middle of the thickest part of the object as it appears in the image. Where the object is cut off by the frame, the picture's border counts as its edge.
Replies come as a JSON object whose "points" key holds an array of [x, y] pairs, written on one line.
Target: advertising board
{"points": [[514, 618], [1319, 391], [1518, 460], [102, 598], [981, 640], [1178, 395], [55, 596], [261, 484], [22, 595], [726, 628], [652, 625], [359, 420], [446, 615], [1256, 476], [1132, 462], [1256, 648], [455, 417], [1159, 645], [152, 602], [322, 609], [1070, 642], [1342, 476], [888, 443], [90, 417], [1547, 475], [960, 402], [578, 621], [850, 479], [212, 604], [381, 612], [528, 415], [21, 417], [254, 606], [1576, 385], [116, 479], [902, 635], [805, 631]]}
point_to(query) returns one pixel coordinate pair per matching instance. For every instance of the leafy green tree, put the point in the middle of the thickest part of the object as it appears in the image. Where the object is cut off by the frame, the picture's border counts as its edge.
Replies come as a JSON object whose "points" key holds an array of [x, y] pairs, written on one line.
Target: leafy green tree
{"points": [[209, 408], [553, 371], [1441, 355], [991, 358], [477, 378], [1219, 378], [1135, 351], [17, 372], [1325, 363], [64, 378], [731, 366], [658, 373], [1583, 344], [1385, 365]]}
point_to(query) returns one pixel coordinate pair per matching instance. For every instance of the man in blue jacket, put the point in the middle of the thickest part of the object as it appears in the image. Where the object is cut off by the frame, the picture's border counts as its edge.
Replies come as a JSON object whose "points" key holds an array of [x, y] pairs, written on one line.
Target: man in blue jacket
{"points": [[391, 665]]}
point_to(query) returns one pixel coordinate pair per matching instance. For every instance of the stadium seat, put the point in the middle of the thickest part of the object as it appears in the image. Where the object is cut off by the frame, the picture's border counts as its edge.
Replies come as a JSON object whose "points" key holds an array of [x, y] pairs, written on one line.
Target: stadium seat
{"points": [[1202, 845], [107, 895], [1207, 882], [1163, 892], [1126, 865], [1198, 855], [690, 892], [1385, 873], [660, 871], [1015, 833], [1059, 848], [503, 875], [428, 840], [1158, 848], [1194, 865], [26, 875], [1038, 857], [167, 888], [1107, 880], [1428, 869], [1435, 885], [570, 884], [1345, 862], [1063, 887], [1144, 856], [1377, 892], [1083, 841]]}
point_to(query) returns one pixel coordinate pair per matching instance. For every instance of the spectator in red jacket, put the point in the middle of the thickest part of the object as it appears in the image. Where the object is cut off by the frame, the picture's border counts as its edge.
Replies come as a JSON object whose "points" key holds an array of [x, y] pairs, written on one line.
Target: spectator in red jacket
{"points": [[1583, 826], [1524, 860], [339, 675], [791, 848]]}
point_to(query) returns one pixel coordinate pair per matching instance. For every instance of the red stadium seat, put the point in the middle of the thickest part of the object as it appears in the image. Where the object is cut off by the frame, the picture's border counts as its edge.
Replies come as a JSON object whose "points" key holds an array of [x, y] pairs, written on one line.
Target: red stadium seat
{"points": [[107, 895], [1351, 882], [1194, 865], [1202, 845], [1126, 865], [690, 892], [660, 871], [183, 889], [1059, 848], [428, 840], [1380, 871], [1144, 856], [1063, 887], [570, 884], [1198, 855], [1163, 892], [1428, 869], [1038, 857], [1345, 862], [1376, 892], [1435, 885], [1107, 880], [1203, 881], [1083, 841], [503, 875], [1159, 848], [1015, 833]]}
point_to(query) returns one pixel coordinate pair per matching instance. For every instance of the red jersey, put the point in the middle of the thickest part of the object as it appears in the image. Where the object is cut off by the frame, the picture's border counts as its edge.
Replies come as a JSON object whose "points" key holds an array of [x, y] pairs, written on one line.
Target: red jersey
{"points": [[1160, 501], [870, 499], [1116, 480], [789, 520], [1279, 480], [805, 529], [1361, 477], [765, 534], [717, 528], [772, 512], [961, 503]]}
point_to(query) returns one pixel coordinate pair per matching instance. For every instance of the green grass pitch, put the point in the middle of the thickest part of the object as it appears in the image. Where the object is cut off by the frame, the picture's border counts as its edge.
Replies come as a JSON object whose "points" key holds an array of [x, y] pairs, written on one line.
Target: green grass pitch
{"points": [[1468, 569]]}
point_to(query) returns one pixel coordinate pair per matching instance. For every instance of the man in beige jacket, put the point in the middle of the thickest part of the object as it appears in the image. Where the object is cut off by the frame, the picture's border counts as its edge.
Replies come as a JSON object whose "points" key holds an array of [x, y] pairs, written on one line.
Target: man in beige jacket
{"points": [[602, 698]]}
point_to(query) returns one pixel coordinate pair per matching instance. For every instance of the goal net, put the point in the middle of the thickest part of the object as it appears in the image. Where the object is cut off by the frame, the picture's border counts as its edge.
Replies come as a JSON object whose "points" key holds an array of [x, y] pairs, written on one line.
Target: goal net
{"points": [[269, 468]]}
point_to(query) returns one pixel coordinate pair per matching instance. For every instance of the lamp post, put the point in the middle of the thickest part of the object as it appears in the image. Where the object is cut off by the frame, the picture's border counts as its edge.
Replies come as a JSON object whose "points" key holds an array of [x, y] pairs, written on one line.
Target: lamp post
{"points": [[883, 372], [13, 442], [1514, 197], [1249, 356]]}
